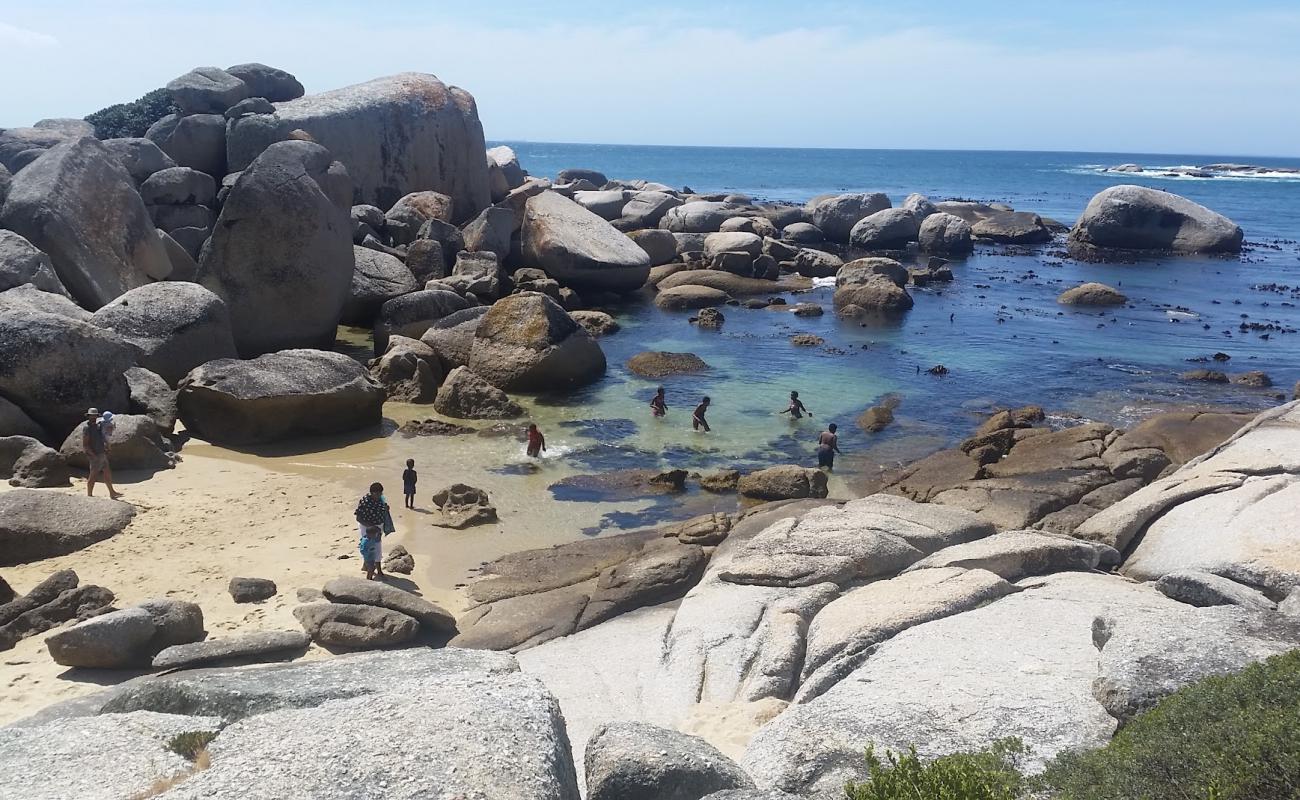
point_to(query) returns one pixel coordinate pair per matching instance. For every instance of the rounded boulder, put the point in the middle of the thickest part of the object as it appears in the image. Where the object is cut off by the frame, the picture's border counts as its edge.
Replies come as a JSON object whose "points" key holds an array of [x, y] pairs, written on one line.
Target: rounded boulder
{"points": [[527, 342], [176, 326]]}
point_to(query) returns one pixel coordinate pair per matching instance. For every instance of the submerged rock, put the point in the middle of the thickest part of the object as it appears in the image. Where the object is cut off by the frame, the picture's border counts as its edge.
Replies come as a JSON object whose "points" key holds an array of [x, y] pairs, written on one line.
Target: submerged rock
{"points": [[662, 365], [1092, 294]]}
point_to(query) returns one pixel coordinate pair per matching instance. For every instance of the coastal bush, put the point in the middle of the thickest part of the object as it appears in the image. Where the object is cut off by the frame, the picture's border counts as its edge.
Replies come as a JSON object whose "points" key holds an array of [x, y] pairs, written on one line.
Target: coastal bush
{"points": [[991, 774], [131, 120], [190, 745], [1234, 737]]}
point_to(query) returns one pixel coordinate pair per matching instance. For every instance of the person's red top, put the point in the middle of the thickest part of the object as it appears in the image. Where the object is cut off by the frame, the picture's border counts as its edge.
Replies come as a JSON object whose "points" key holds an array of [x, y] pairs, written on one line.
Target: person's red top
{"points": [[535, 437]]}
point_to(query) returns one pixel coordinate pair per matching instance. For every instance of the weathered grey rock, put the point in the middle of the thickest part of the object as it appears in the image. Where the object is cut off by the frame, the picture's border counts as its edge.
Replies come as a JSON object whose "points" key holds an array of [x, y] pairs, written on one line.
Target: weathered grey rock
{"points": [[409, 371], [759, 226], [69, 126], [506, 160], [398, 560], [356, 626], [696, 217], [655, 575], [407, 217], [452, 337], [175, 217], [239, 648], [578, 248], [835, 216], [175, 622], [660, 245], [135, 443], [16, 141], [279, 396], [251, 590], [411, 315], [426, 260], [890, 228], [462, 506], [920, 206], [689, 297], [878, 294], [373, 593], [193, 140], [27, 463], [1012, 227], [270, 83], [636, 761], [815, 263], [786, 482], [1020, 666], [41, 594], [477, 273], [6, 182], [945, 234], [175, 326], [140, 157], [803, 233], [1141, 218], [646, 209], [1198, 588], [490, 231], [1017, 554], [843, 634], [179, 186], [15, 422], [80, 207], [21, 262], [398, 134], [54, 367], [717, 243], [528, 342], [608, 205], [207, 90], [597, 323], [660, 364], [111, 641], [118, 755], [249, 105], [444, 732], [734, 285], [467, 396], [376, 278], [184, 267], [29, 298], [865, 270], [281, 256], [1145, 658], [151, 397], [81, 602], [1092, 294]]}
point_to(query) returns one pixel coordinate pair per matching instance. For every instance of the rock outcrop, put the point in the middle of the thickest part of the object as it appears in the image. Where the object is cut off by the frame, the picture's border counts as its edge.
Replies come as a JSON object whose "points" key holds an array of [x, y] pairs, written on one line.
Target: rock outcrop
{"points": [[527, 342], [292, 393], [281, 254], [176, 326], [578, 248], [78, 205], [1140, 218]]}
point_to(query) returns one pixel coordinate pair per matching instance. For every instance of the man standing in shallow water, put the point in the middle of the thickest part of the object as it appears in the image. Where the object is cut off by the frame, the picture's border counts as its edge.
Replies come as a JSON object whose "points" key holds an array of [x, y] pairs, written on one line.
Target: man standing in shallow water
{"points": [[698, 421], [828, 445]]}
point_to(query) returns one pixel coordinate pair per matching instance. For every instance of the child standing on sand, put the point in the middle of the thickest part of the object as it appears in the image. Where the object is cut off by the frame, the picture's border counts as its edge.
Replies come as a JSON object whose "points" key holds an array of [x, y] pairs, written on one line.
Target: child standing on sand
{"points": [[372, 518], [408, 482], [536, 441]]}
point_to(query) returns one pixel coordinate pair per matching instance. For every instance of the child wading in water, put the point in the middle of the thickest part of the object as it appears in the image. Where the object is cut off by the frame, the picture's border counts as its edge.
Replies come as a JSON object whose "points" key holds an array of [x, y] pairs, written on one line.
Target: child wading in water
{"points": [[373, 519], [536, 441], [658, 403], [828, 445], [796, 409], [697, 419], [408, 482]]}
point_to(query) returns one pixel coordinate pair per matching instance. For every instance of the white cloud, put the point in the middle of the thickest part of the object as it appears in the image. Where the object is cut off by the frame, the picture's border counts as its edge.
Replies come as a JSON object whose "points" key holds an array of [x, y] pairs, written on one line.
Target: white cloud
{"points": [[14, 36]]}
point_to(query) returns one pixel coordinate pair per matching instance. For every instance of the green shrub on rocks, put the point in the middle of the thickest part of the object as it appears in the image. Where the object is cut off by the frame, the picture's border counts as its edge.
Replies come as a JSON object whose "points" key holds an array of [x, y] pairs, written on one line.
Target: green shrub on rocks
{"points": [[1235, 737], [190, 745], [131, 120], [991, 774]]}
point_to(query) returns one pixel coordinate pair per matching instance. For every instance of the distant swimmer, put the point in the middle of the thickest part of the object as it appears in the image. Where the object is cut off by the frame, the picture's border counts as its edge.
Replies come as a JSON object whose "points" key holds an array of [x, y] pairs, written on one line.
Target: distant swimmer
{"points": [[828, 445], [658, 403], [796, 409], [536, 441], [697, 419]]}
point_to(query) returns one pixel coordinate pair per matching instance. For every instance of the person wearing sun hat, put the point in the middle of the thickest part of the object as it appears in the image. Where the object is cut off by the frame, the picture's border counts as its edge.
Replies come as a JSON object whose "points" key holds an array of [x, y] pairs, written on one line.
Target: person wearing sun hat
{"points": [[94, 441]]}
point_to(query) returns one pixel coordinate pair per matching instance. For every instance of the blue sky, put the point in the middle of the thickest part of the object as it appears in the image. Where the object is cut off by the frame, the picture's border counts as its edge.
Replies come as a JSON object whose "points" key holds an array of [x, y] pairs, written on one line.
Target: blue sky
{"points": [[1187, 77]]}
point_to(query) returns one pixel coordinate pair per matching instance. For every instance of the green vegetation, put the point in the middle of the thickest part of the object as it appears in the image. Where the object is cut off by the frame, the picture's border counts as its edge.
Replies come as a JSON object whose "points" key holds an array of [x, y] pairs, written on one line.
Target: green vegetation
{"points": [[991, 774], [131, 120], [190, 745], [1235, 737]]}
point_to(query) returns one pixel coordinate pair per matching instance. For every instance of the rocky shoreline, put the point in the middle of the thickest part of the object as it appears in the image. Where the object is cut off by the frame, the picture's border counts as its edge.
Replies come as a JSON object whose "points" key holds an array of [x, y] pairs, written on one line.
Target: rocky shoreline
{"points": [[196, 278]]}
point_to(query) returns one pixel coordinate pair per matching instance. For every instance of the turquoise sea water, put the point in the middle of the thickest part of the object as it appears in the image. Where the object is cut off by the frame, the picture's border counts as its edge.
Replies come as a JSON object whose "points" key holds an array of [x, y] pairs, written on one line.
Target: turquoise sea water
{"points": [[997, 327]]}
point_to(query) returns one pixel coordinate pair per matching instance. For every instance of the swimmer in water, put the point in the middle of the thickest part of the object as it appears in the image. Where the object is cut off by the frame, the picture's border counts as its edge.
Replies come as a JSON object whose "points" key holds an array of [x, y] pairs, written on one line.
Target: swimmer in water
{"points": [[698, 421], [796, 409], [658, 404]]}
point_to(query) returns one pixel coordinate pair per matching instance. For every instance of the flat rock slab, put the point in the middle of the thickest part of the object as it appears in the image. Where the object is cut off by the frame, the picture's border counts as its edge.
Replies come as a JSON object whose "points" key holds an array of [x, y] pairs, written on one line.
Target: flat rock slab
{"points": [[373, 593], [95, 758], [1020, 666], [358, 626], [637, 761], [1017, 554], [37, 524], [231, 648]]}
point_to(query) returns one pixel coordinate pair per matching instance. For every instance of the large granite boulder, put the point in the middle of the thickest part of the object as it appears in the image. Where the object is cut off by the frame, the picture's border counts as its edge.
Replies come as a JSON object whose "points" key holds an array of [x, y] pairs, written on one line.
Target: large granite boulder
{"points": [[376, 278], [266, 82], [398, 134], [866, 270], [526, 342], [646, 210], [1092, 294], [78, 205], [15, 422], [636, 761], [690, 297], [140, 157], [580, 249], [697, 216], [193, 140], [785, 482], [887, 229], [734, 285], [371, 593], [877, 293], [284, 395], [452, 337], [176, 326], [411, 315], [945, 234], [152, 397], [37, 524], [409, 370], [362, 627], [232, 649], [835, 216], [1013, 555], [1141, 218], [467, 396], [660, 245], [206, 90], [54, 367], [1012, 227], [178, 186], [14, 142], [22, 262], [281, 255], [135, 443], [27, 463]]}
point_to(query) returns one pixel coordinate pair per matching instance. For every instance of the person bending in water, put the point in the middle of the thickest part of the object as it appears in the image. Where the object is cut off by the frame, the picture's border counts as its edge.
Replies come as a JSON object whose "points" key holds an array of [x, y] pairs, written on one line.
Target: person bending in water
{"points": [[697, 419], [658, 404], [828, 445], [536, 441], [796, 409]]}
